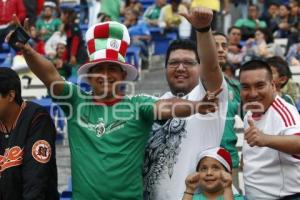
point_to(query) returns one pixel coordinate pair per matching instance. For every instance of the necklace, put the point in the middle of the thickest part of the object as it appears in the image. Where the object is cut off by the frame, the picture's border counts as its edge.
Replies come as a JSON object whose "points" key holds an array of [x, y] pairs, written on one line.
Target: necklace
{"points": [[5, 128]]}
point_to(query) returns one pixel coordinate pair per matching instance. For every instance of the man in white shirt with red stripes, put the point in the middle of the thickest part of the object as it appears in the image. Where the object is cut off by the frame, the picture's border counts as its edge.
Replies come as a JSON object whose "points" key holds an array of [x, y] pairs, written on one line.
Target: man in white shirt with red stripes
{"points": [[271, 150]]}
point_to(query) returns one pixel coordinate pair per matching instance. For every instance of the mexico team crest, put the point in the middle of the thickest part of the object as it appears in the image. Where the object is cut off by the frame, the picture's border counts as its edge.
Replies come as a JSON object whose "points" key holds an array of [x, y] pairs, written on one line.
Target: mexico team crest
{"points": [[114, 44], [100, 129], [41, 151]]}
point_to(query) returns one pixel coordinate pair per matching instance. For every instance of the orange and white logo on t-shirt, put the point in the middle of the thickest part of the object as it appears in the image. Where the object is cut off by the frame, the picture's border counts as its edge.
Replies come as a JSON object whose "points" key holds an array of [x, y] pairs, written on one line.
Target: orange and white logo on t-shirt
{"points": [[41, 151]]}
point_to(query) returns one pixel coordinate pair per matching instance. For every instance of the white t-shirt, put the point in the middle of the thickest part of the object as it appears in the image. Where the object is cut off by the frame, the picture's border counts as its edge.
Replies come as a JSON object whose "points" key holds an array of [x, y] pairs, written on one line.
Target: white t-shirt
{"points": [[173, 147], [270, 174]]}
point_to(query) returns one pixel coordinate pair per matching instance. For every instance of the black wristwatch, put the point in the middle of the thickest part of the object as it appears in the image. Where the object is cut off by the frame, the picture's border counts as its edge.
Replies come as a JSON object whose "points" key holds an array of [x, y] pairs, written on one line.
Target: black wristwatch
{"points": [[204, 29]]}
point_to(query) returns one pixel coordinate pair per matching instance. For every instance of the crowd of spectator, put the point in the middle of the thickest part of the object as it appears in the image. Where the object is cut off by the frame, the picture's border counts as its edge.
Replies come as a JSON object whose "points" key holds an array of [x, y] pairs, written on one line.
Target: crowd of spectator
{"points": [[57, 32], [252, 33]]}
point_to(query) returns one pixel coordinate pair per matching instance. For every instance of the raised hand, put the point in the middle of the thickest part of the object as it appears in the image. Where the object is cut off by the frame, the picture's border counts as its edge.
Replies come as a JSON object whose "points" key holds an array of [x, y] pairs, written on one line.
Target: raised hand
{"points": [[226, 179], [254, 136], [210, 102], [192, 182], [199, 17], [15, 21]]}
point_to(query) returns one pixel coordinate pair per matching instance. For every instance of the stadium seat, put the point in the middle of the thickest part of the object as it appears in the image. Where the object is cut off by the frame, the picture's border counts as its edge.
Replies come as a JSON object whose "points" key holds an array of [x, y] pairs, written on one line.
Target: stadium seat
{"points": [[133, 56], [146, 3], [83, 28], [66, 195], [160, 41], [3, 56]]}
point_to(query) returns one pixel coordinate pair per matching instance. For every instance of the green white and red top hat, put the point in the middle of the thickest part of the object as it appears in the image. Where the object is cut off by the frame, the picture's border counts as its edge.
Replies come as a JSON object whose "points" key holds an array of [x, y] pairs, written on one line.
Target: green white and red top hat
{"points": [[108, 42]]}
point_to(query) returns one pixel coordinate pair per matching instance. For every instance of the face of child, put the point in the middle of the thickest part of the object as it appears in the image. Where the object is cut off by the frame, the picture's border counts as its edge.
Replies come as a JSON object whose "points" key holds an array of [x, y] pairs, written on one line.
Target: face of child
{"points": [[48, 12], [277, 79], [61, 48], [210, 175], [33, 32]]}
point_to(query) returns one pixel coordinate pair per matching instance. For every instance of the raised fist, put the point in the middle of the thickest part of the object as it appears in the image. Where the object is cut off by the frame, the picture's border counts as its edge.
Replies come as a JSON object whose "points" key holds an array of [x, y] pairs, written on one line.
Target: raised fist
{"points": [[192, 182], [199, 17], [226, 179]]}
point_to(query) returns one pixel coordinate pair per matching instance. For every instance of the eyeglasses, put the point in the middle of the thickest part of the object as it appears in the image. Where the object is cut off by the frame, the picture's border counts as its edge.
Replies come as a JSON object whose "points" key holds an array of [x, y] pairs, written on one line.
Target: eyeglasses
{"points": [[185, 63]]}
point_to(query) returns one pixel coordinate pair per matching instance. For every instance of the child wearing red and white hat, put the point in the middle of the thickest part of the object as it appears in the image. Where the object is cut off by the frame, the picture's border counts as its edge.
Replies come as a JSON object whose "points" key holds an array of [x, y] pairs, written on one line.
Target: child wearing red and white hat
{"points": [[213, 176]]}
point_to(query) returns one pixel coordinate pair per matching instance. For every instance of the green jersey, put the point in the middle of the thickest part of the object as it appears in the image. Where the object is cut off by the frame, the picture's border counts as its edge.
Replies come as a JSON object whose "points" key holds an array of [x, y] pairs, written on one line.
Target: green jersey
{"points": [[152, 12], [229, 138], [250, 23], [288, 99], [51, 26], [107, 144], [111, 8]]}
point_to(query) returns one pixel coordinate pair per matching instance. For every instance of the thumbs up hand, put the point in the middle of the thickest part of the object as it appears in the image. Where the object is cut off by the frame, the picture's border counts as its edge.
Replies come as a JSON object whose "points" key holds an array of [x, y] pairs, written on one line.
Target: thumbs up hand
{"points": [[254, 136], [199, 17]]}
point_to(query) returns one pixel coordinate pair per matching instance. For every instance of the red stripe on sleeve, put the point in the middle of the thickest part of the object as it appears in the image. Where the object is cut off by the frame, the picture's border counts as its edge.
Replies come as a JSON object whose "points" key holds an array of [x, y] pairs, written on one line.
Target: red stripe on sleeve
{"points": [[284, 112], [280, 113], [287, 110]]}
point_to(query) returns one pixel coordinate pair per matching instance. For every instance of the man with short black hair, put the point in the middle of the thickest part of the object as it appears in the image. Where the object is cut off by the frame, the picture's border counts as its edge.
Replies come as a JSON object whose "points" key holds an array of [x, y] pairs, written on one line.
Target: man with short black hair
{"points": [[271, 149], [229, 139], [27, 145], [192, 69]]}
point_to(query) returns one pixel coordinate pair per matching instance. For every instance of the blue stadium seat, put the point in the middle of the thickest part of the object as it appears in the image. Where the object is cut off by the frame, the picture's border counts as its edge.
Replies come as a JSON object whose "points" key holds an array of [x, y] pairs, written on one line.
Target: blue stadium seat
{"points": [[160, 40], [83, 28], [73, 5], [146, 3], [133, 56], [5, 47], [6, 55], [3, 56], [66, 195]]}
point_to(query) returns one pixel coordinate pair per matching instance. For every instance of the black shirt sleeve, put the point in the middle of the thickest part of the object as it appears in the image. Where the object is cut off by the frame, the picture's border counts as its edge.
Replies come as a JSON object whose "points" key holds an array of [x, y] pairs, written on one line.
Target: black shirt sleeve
{"points": [[39, 171]]}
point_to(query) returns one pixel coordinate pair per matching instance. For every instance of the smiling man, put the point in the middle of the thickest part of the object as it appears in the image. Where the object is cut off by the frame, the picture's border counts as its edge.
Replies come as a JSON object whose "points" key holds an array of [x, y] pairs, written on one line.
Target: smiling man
{"points": [[107, 129], [173, 147], [271, 150]]}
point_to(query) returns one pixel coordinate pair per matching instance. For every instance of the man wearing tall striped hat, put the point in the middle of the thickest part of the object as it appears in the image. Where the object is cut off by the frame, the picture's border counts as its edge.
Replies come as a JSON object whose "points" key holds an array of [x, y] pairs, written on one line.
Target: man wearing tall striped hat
{"points": [[107, 129]]}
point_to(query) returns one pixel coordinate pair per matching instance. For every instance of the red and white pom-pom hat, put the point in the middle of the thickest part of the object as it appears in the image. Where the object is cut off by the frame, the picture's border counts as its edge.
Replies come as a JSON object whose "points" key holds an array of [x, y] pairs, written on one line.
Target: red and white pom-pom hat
{"points": [[107, 42], [218, 153]]}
